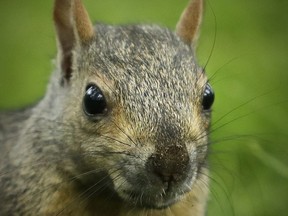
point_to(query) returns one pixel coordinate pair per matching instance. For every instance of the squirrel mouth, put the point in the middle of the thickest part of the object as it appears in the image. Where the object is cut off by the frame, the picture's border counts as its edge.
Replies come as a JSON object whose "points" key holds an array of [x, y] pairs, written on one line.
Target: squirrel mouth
{"points": [[148, 201], [159, 195]]}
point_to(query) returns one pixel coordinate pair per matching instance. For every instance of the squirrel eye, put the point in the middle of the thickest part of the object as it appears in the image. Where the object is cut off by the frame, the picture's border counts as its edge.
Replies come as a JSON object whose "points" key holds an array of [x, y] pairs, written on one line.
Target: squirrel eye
{"points": [[94, 102], [208, 97]]}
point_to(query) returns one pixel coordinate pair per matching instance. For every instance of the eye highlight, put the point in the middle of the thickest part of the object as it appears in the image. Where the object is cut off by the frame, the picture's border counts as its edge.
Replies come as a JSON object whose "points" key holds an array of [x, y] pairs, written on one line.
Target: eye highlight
{"points": [[208, 97], [94, 102]]}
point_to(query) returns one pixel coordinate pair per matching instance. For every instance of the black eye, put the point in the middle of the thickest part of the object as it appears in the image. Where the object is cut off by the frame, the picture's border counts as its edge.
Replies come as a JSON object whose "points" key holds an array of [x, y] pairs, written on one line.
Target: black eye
{"points": [[94, 102], [208, 97]]}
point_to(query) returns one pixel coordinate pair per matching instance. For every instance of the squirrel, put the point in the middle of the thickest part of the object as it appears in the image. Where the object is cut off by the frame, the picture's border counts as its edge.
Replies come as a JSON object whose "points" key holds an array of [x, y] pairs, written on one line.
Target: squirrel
{"points": [[122, 129]]}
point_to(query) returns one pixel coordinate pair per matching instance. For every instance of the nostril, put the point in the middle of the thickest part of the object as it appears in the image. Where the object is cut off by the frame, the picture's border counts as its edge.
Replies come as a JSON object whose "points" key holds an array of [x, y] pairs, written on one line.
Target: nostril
{"points": [[165, 177]]}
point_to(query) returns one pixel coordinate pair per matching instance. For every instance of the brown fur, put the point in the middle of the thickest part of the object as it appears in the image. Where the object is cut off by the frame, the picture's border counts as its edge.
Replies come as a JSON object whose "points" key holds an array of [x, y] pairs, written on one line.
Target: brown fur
{"points": [[145, 155]]}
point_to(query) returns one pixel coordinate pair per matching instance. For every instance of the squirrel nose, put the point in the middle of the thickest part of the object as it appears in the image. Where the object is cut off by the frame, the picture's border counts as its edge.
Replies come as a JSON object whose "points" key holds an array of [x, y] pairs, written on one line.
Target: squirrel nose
{"points": [[170, 166]]}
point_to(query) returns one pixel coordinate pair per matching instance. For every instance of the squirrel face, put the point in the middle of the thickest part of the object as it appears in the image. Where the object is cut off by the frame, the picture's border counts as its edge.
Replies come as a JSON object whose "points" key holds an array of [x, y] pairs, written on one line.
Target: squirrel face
{"points": [[139, 105]]}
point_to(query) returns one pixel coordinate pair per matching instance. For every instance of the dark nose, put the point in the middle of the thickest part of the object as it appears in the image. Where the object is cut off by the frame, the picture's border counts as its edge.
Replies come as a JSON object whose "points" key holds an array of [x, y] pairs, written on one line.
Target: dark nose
{"points": [[170, 164]]}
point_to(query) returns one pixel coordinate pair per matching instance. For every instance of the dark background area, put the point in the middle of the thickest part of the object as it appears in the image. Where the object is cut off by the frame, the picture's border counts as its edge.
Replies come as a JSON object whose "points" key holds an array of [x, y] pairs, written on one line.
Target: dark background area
{"points": [[248, 70]]}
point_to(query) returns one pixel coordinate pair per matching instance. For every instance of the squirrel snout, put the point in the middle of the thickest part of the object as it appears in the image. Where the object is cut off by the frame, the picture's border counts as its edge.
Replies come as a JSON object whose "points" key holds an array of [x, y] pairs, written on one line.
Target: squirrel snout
{"points": [[170, 165]]}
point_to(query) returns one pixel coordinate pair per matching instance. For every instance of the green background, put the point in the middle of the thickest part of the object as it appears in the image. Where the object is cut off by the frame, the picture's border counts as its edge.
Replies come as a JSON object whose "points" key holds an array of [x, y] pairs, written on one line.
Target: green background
{"points": [[249, 156]]}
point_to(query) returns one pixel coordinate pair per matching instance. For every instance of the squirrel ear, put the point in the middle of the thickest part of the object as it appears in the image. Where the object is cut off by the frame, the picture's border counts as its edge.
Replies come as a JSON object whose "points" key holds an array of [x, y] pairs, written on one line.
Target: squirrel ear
{"points": [[73, 27], [188, 26]]}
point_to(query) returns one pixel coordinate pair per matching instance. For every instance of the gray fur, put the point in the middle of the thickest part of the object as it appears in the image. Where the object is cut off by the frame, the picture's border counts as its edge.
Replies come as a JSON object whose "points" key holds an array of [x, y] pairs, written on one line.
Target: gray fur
{"points": [[154, 89]]}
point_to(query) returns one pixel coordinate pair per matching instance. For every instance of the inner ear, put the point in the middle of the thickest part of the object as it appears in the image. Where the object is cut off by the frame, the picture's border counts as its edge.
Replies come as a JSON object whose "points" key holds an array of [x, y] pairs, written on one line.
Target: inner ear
{"points": [[73, 28], [66, 67]]}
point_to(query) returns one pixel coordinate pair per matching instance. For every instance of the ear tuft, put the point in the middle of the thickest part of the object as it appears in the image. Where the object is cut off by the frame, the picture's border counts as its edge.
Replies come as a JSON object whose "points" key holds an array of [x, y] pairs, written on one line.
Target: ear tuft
{"points": [[188, 25]]}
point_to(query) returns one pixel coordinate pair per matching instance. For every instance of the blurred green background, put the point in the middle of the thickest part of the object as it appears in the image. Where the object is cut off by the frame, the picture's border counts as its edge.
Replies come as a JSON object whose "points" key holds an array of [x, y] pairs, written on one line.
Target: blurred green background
{"points": [[249, 155]]}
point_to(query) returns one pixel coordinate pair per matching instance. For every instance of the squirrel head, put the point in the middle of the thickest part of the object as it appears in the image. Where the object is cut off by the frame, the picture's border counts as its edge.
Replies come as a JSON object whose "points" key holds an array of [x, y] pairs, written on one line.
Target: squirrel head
{"points": [[136, 101]]}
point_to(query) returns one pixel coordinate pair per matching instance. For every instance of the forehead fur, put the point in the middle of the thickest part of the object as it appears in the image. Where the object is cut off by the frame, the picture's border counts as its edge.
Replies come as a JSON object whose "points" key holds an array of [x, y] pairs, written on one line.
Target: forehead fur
{"points": [[154, 72]]}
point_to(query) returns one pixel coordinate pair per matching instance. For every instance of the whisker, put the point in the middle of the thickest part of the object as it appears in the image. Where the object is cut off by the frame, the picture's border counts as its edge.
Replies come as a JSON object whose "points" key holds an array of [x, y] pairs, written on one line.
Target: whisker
{"points": [[220, 68], [238, 107], [214, 36], [98, 190], [125, 133], [114, 139], [83, 194], [216, 195]]}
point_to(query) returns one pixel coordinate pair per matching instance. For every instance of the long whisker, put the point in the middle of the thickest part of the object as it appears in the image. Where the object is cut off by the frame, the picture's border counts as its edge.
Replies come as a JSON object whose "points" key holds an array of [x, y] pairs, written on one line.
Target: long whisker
{"points": [[220, 68], [214, 36], [83, 193]]}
